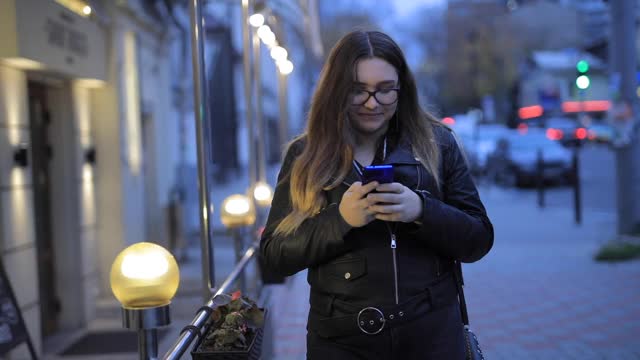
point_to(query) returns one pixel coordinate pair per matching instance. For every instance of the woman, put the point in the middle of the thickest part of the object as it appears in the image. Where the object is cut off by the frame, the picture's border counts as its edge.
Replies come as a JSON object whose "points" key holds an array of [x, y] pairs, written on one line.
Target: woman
{"points": [[380, 256]]}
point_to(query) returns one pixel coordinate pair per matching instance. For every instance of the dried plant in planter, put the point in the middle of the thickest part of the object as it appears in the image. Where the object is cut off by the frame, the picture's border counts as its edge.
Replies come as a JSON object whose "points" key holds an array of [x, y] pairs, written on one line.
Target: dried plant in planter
{"points": [[234, 325]]}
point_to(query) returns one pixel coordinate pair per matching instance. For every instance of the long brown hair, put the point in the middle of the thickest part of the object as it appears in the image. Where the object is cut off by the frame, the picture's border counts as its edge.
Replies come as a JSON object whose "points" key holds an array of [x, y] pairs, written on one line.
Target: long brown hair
{"points": [[329, 137]]}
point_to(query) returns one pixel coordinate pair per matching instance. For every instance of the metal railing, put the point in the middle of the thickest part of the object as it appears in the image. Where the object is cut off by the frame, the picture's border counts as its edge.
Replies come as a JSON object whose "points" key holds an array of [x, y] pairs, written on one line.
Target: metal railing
{"points": [[194, 329]]}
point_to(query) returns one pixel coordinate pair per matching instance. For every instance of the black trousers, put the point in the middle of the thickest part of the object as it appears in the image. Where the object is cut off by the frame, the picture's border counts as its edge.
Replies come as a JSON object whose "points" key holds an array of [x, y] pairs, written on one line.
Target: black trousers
{"points": [[436, 335]]}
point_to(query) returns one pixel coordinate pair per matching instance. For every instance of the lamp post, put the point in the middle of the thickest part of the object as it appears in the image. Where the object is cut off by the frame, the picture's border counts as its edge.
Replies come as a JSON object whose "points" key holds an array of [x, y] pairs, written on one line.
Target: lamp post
{"points": [[259, 119], [284, 69], [144, 278], [238, 212], [201, 108], [246, 66]]}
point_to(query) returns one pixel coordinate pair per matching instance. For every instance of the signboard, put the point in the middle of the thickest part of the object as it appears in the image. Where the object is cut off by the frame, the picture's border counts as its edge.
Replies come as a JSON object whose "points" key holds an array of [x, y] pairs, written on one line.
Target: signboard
{"points": [[54, 36], [13, 331]]}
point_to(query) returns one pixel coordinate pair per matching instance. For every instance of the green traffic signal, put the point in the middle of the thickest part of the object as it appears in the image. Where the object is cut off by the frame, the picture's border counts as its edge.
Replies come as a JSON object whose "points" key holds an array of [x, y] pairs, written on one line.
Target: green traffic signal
{"points": [[582, 66]]}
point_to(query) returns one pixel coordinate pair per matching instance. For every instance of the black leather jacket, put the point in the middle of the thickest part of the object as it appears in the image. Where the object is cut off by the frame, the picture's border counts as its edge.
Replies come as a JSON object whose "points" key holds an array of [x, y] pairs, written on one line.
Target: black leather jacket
{"points": [[358, 265]]}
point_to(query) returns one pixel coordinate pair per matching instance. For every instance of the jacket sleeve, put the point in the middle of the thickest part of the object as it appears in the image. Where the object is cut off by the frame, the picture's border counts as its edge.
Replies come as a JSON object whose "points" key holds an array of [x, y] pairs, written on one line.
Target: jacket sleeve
{"points": [[456, 226], [318, 239]]}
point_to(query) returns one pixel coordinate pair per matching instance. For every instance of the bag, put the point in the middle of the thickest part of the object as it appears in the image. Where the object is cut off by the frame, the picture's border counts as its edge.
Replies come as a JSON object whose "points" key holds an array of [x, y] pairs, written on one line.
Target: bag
{"points": [[472, 346], [472, 350]]}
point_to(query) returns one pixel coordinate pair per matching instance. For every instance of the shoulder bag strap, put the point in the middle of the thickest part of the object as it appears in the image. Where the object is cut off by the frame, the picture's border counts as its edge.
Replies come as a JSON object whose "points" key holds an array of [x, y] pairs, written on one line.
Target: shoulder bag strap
{"points": [[457, 273]]}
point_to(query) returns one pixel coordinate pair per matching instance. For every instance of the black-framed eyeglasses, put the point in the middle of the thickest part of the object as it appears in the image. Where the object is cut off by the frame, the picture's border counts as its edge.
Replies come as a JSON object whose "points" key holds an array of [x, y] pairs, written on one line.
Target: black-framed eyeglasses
{"points": [[387, 96]]}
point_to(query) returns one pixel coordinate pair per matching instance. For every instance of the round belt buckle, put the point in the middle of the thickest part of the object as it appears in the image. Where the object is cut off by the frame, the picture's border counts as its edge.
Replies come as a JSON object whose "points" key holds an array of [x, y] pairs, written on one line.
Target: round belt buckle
{"points": [[370, 320]]}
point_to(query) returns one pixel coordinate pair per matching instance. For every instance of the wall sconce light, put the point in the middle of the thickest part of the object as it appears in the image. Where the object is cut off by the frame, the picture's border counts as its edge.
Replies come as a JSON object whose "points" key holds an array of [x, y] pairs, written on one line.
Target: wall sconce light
{"points": [[21, 155], [90, 155]]}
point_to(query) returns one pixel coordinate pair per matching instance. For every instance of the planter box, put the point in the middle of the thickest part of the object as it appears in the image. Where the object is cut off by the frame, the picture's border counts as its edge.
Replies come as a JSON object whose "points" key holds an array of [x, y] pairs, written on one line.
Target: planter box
{"points": [[253, 352]]}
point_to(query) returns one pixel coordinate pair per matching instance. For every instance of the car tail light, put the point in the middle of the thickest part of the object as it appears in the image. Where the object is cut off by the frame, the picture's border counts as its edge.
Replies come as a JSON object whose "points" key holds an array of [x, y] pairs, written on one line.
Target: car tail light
{"points": [[523, 128], [581, 133], [554, 134]]}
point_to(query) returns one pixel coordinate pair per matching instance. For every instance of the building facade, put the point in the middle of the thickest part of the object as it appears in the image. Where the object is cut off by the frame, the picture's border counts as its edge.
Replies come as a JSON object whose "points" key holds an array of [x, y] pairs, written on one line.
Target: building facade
{"points": [[90, 99]]}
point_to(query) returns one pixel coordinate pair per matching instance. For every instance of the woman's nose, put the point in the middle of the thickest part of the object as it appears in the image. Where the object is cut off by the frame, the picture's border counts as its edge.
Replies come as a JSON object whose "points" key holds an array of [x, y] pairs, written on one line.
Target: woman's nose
{"points": [[371, 103]]}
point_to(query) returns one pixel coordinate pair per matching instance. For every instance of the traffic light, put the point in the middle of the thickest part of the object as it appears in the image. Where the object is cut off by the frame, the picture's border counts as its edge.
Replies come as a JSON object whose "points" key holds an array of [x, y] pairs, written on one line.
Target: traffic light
{"points": [[582, 76]]}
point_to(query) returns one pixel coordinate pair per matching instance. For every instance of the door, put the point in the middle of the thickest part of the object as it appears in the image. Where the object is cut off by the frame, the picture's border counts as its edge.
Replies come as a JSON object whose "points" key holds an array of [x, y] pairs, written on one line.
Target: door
{"points": [[39, 120]]}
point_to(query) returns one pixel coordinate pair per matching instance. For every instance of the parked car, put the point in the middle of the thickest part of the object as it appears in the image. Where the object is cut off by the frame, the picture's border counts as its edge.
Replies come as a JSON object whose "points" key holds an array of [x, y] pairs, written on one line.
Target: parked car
{"points": [[565, 130], [466, 144], [482, 142], [515, 160]]}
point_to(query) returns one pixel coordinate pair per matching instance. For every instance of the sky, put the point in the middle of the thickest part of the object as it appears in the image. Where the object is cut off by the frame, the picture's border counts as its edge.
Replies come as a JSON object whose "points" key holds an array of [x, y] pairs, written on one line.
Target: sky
{"points": [[406, 7], [405, 11], [395, 17]]}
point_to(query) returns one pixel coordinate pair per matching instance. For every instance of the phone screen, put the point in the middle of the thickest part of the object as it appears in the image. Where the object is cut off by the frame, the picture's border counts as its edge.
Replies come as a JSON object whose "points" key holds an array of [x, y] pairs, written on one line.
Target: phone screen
{"points": [[381, 173]]}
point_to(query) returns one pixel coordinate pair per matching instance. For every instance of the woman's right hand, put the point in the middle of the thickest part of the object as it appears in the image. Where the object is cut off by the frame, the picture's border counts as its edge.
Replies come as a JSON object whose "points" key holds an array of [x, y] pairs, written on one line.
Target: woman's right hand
{"points": [[354, 206]]}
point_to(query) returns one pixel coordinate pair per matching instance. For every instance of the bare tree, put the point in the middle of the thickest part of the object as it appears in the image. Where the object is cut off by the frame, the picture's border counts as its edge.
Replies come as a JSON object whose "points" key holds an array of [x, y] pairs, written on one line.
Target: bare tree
{"points": [[480, 60], [333, 28]]}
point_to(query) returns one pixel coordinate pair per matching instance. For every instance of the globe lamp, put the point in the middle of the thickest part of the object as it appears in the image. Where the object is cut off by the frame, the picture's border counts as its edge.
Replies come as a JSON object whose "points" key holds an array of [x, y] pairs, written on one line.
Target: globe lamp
{"points": [[144, 279], [263, 194], [144, 275], [237, 210]]}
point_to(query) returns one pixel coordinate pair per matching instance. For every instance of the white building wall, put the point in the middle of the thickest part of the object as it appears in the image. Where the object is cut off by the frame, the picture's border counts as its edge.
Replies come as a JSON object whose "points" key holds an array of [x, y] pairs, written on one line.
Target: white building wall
{"points": [[17, 237], [120, 186], [86, 175], [161, 133], [98, 209], [137, 138]]}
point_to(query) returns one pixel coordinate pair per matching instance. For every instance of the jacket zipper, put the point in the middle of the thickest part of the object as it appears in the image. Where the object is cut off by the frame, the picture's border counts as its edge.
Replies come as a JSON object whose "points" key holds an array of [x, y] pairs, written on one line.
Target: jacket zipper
{"points": [[395, 265]]}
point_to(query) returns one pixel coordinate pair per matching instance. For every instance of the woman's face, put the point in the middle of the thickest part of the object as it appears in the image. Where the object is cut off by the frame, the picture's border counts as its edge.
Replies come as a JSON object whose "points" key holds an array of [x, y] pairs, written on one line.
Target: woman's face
{"points": [[369, 114]]}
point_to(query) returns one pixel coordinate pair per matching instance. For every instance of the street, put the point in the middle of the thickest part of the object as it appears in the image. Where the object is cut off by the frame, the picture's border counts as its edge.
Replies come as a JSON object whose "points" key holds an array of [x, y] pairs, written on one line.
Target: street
{"points": [[597, 181]]}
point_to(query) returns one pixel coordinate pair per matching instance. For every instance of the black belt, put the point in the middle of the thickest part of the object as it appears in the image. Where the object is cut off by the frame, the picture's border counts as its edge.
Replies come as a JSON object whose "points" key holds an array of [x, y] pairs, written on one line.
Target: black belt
{"points": [[372, 319]]}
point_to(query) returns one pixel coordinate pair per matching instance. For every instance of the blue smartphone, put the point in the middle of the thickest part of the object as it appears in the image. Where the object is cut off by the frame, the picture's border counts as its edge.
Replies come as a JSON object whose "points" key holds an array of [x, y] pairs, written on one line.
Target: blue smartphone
{"points": [[381, 173]]}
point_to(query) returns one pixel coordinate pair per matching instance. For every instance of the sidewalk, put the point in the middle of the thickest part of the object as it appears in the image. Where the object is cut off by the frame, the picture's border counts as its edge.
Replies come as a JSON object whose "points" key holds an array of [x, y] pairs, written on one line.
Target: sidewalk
{"points": [[537, 295]]}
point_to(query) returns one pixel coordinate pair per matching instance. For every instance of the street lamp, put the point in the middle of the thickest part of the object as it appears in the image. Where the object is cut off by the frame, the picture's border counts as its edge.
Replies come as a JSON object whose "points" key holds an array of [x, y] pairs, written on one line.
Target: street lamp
{"points": [[237, 210], [285, 67], [144, 278], [269, 39], [256, 20], [263, 194], [278, 53]]}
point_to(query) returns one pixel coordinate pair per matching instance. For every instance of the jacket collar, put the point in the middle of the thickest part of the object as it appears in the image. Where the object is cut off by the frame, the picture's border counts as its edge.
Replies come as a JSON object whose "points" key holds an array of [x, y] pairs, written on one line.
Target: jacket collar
{"points": [[401, 154]]}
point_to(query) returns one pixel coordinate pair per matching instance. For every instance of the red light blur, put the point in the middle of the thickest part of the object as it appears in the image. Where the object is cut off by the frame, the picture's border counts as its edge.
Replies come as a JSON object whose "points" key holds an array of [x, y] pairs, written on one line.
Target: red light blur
{"points": [[523, 128], [581, 133], [589, 105], [592, 135], [554, 134], [449, 121], [529, 112]]}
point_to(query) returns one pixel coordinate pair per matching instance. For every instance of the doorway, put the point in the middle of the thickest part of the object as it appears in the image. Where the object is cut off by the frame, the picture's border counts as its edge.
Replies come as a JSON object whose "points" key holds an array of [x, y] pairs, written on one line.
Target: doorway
{"points": [[41, 155]]}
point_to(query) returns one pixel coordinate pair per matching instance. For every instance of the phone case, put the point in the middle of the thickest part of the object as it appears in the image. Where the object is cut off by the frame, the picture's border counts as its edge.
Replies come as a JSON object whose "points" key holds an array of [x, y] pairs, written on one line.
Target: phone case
{"points": [[381, 173]]}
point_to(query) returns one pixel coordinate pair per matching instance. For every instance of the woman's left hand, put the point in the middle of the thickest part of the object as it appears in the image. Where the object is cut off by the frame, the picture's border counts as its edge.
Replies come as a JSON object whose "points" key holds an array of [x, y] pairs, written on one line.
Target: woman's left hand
{"points": [[395, 202]]}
